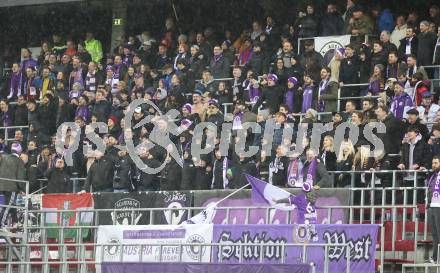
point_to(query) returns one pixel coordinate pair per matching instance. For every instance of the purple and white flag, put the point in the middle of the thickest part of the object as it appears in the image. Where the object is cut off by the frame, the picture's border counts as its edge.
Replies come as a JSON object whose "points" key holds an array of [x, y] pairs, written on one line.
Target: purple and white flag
{"points": [[204, 217], [268, 194]]}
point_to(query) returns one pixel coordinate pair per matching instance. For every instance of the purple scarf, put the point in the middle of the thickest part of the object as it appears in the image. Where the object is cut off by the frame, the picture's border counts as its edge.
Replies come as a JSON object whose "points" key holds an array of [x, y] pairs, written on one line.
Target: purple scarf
{"points": [[90, 84], [217, 58], [236, 123], [294, 174], [307, 98], [434, 185], [78, 78], [254, 94], [288, 99], [82, 111], [322, 90], [116, 71], [311, 172]]}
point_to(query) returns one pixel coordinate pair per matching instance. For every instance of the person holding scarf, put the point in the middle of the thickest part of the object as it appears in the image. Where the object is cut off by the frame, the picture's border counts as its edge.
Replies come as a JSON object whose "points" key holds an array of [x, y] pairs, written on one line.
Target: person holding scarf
{"points": [[76, 76], [219, 169], [32, 85], [327, 93], [433, 183], [310, 93], [93, 78], [376, 84], [401, 102], [111, 80], [26, 62], [253, 93], [294, 169], [14, 87], [127, 57], [271, 94], [314, 171], [293, 98], [119, 68]]}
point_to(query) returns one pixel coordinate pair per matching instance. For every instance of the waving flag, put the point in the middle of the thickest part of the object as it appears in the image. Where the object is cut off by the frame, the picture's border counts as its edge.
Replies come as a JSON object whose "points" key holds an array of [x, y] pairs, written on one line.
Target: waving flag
{"points": [[204, 217], [267, 194]]}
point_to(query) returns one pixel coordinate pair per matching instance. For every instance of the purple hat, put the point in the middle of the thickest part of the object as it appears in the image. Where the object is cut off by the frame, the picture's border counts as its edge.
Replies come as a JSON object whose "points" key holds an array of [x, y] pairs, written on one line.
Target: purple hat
{"points": [[306, 187], [188, 107], [16, 147], [292, 80], [213, 102], [272, 77], [128, 46], [185, 122], [426, 94], [227, 43], [109, 68], [341, 51]]}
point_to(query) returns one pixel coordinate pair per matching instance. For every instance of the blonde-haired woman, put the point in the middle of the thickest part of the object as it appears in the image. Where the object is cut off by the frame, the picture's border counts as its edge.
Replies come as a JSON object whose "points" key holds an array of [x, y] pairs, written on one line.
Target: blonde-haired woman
{"points": [[328, 155], [344, 163]]}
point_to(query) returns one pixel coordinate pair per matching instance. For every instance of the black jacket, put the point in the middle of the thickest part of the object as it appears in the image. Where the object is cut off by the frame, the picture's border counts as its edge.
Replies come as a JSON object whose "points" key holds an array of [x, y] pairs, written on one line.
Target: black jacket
{"points": [[123, 172], [148, 182], [330, 160], [171, 176], [394, 134], [278, 167], [100, 174], [420, 154], [188, 175], [259, 63], [402, 47], [349, 70], [20, 115], [332, 24], [102, 110], [273, 96], [58, 181], [344, 179], [239, 169], [47, 118], [221, 68], [425, 49]]}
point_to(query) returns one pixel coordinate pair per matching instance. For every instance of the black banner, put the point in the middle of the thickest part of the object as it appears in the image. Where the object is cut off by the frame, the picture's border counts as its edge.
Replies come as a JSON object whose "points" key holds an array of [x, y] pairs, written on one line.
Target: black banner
{"points": [[142, 200], [127, 202], [174, 200]]}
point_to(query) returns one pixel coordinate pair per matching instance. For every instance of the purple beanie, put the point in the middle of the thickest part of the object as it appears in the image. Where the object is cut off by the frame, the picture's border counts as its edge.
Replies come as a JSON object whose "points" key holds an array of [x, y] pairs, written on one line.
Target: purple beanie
{"points": [[272, 77], [188, 107], [341, 51], [16, 147], [186, 122], [292, 80]]}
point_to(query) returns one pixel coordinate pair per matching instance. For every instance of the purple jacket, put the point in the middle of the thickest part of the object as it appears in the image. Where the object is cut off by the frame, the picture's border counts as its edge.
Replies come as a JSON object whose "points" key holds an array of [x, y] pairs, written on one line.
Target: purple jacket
{"points": [[400, 105], [83, 111]]}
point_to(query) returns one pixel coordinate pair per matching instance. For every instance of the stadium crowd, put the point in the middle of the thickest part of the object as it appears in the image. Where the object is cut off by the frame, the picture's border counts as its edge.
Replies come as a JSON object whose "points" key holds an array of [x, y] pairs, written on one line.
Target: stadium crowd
{"points": [[259, 74]]}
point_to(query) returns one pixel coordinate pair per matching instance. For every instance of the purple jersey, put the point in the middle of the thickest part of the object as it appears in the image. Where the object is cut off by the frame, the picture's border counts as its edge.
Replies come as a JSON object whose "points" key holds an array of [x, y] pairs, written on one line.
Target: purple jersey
{"points": [[306, 210]]}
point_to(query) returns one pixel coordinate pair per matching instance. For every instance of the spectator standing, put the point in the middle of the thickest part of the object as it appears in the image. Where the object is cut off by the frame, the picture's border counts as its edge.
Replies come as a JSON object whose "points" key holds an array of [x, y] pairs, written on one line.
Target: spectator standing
{"points": [[219, 66], [332, 23], [58, 179], [93, 47], [399, 31], [427, 42], [434, 205]]}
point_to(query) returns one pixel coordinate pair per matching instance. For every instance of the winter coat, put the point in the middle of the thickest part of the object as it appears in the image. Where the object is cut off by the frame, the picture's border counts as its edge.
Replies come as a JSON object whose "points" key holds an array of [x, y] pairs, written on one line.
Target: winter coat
{"points": [[188, 175], [47, 118], [332, 24], [425, 50], [220, 69], [101, 110], [11, 167], [171, 176], [20, 115], [420, 154], [395, 131], [330, 97], [239, 169], [124, 171], [148, 182], [344, 179], [322, 178], [58, 181], [100, 174], [272, 96]]}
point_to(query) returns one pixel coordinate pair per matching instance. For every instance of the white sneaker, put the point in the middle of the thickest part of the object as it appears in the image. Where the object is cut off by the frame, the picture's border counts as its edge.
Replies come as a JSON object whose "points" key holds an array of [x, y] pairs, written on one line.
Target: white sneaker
{"points": [[431, 260]]}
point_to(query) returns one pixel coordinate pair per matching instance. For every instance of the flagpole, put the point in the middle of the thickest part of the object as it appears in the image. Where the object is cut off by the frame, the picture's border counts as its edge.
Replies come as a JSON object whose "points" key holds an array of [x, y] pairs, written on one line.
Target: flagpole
{"points": [[231, 194]]}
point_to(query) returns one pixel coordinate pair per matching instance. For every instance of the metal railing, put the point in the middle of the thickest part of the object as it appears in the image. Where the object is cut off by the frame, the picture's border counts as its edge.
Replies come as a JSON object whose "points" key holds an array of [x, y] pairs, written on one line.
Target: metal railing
{"points": [[8, 128]]}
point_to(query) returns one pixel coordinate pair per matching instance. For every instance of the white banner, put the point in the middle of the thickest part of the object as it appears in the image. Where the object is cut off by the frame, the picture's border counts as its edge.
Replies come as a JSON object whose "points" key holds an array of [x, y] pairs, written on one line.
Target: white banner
{"points": [[154, 234], [326, 46]]}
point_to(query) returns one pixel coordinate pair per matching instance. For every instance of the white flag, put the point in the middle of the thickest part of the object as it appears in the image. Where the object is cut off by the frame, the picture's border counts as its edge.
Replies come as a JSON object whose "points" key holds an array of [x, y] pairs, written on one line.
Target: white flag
{"points": [[204, 217]]}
